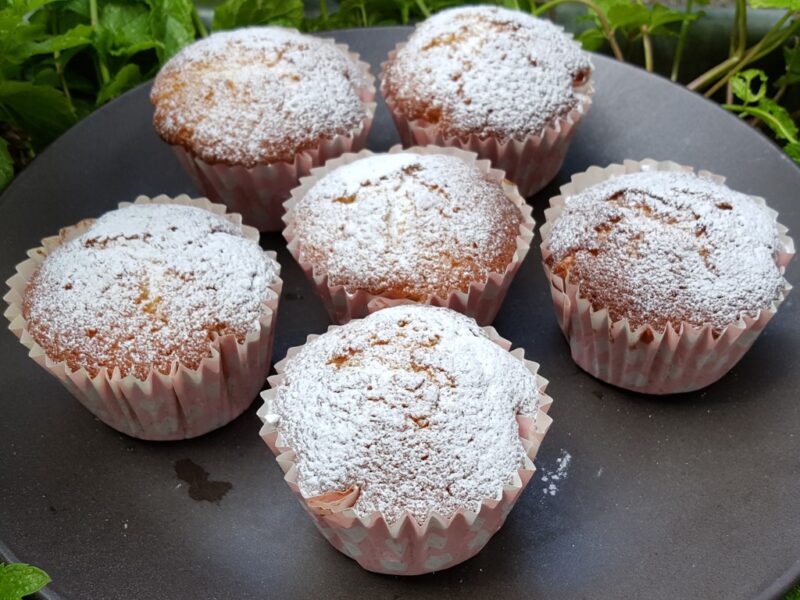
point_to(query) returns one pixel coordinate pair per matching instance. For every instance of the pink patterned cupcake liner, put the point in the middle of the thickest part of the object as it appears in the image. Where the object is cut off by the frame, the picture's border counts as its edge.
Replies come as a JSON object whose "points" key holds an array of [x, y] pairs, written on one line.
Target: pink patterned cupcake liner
{"points": [[531, 163], [666, 362], [481, 301], [258, 193], [182, 404], [406, 547]]}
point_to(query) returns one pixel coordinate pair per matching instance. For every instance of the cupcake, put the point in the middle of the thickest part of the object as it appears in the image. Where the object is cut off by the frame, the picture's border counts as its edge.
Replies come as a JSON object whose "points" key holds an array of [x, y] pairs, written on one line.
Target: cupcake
{"points": [[158, 317], [498, 82], [661, 279], [430, 225], [407, 436], [251, 111]]}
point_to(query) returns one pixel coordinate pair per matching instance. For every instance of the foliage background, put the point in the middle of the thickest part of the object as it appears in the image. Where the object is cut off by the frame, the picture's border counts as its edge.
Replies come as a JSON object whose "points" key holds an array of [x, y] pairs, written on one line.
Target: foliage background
{"points": [[61, 59]]}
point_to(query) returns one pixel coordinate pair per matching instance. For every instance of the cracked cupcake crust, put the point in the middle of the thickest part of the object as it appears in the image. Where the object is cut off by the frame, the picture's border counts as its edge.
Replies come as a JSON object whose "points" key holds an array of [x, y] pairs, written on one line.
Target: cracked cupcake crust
{"points": [[146, 287], [487, 71], [407, 225], [258, 95], [668, 247], [412, 409]]}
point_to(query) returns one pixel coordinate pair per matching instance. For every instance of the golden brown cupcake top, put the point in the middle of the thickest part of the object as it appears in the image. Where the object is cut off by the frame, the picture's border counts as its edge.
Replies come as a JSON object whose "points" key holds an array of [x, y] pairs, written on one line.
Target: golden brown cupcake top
{"points": [[147, 287], [410, 410], [487, 71], [668, 247], [258, 95], [407, 225]]}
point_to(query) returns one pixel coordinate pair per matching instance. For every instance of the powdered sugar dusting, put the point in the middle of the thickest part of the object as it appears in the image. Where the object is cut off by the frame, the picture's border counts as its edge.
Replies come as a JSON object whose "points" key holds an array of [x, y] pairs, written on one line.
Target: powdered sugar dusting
{"points": [[407, 224], [489, 71], [257, 95], [146, 286], [657, 247], [414, 405], [553, 478]]}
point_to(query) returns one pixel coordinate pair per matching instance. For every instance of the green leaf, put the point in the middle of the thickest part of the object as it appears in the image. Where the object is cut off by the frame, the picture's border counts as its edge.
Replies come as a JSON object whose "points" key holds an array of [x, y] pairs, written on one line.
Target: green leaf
{"points": [[79, 35], [661, 16], [742, 85], [40, 110], [793, 150], [124, 29], [127, 77], [171, 23], [237, 13], [628, 16], [791, 58], [782, 126], [18, 580], [785, 4], [6, 175], [591, 39]]}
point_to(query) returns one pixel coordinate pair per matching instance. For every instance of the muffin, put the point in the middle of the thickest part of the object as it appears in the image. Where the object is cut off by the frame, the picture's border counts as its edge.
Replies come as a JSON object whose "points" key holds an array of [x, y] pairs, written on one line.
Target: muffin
{"points": [[662, 279], [407, 435], [430, 225], [159, 316], [499, 82], [251, 111]]}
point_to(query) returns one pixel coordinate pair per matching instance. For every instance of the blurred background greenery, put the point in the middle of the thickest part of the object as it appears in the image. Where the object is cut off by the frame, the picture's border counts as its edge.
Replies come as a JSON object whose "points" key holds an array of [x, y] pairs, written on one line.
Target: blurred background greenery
{"points": [[61, 59]]}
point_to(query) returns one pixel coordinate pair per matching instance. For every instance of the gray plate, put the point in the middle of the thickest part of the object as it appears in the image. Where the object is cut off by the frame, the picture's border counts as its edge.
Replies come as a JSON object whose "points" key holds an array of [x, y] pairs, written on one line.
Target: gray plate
{"points": [[693, 496]]}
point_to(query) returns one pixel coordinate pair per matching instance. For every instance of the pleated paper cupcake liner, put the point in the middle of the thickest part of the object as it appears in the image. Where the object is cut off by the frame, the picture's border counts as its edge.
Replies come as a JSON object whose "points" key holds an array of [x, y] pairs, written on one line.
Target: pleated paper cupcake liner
{"points": [[406, 547], [258, 193], [657, 362], [531, 163], [481, 301], [182, 404]]}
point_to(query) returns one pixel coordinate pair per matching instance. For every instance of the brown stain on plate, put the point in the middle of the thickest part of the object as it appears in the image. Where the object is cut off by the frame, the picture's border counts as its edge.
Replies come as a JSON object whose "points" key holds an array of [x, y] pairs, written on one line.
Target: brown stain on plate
{"points": [[200, 487]]}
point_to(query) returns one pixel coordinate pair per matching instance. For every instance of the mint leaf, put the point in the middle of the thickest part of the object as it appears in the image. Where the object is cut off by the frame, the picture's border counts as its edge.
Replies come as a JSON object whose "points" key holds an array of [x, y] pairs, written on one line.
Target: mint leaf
{"points": [[786, 4], [781, 123], [742, 85], [127, 77], [591, 39], [236, 13], [661, 16], [171, 23], [6, 175], [80, 35], [793, 150], [124, 29], [791, 58], [18, 580], [40, 110], [628, 16]]}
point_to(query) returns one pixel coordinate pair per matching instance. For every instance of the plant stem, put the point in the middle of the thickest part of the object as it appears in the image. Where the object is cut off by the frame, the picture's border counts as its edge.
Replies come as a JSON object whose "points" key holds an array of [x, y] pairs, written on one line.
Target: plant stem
{"points": [[712, 73], [363, 8], [774, 123], [648, 49], [198, 22], [105, 77], [323, 9], [60, 67], [738, 40], [608, 31], [773, 39], [676, 63], [423, 8]]}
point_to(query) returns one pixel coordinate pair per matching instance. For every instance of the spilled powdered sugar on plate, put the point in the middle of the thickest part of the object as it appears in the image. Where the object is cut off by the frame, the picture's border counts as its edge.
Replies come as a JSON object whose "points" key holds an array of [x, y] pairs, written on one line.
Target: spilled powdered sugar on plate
{"points": [[487, 70], [407, 224], [553, 478], [257, 95], [145, 286], [656, 247], [415, 406]]}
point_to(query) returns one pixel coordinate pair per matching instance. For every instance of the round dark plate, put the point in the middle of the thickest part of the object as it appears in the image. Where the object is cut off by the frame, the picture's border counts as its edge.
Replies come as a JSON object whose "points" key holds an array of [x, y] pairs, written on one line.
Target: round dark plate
{"points": [[692, 496]]}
